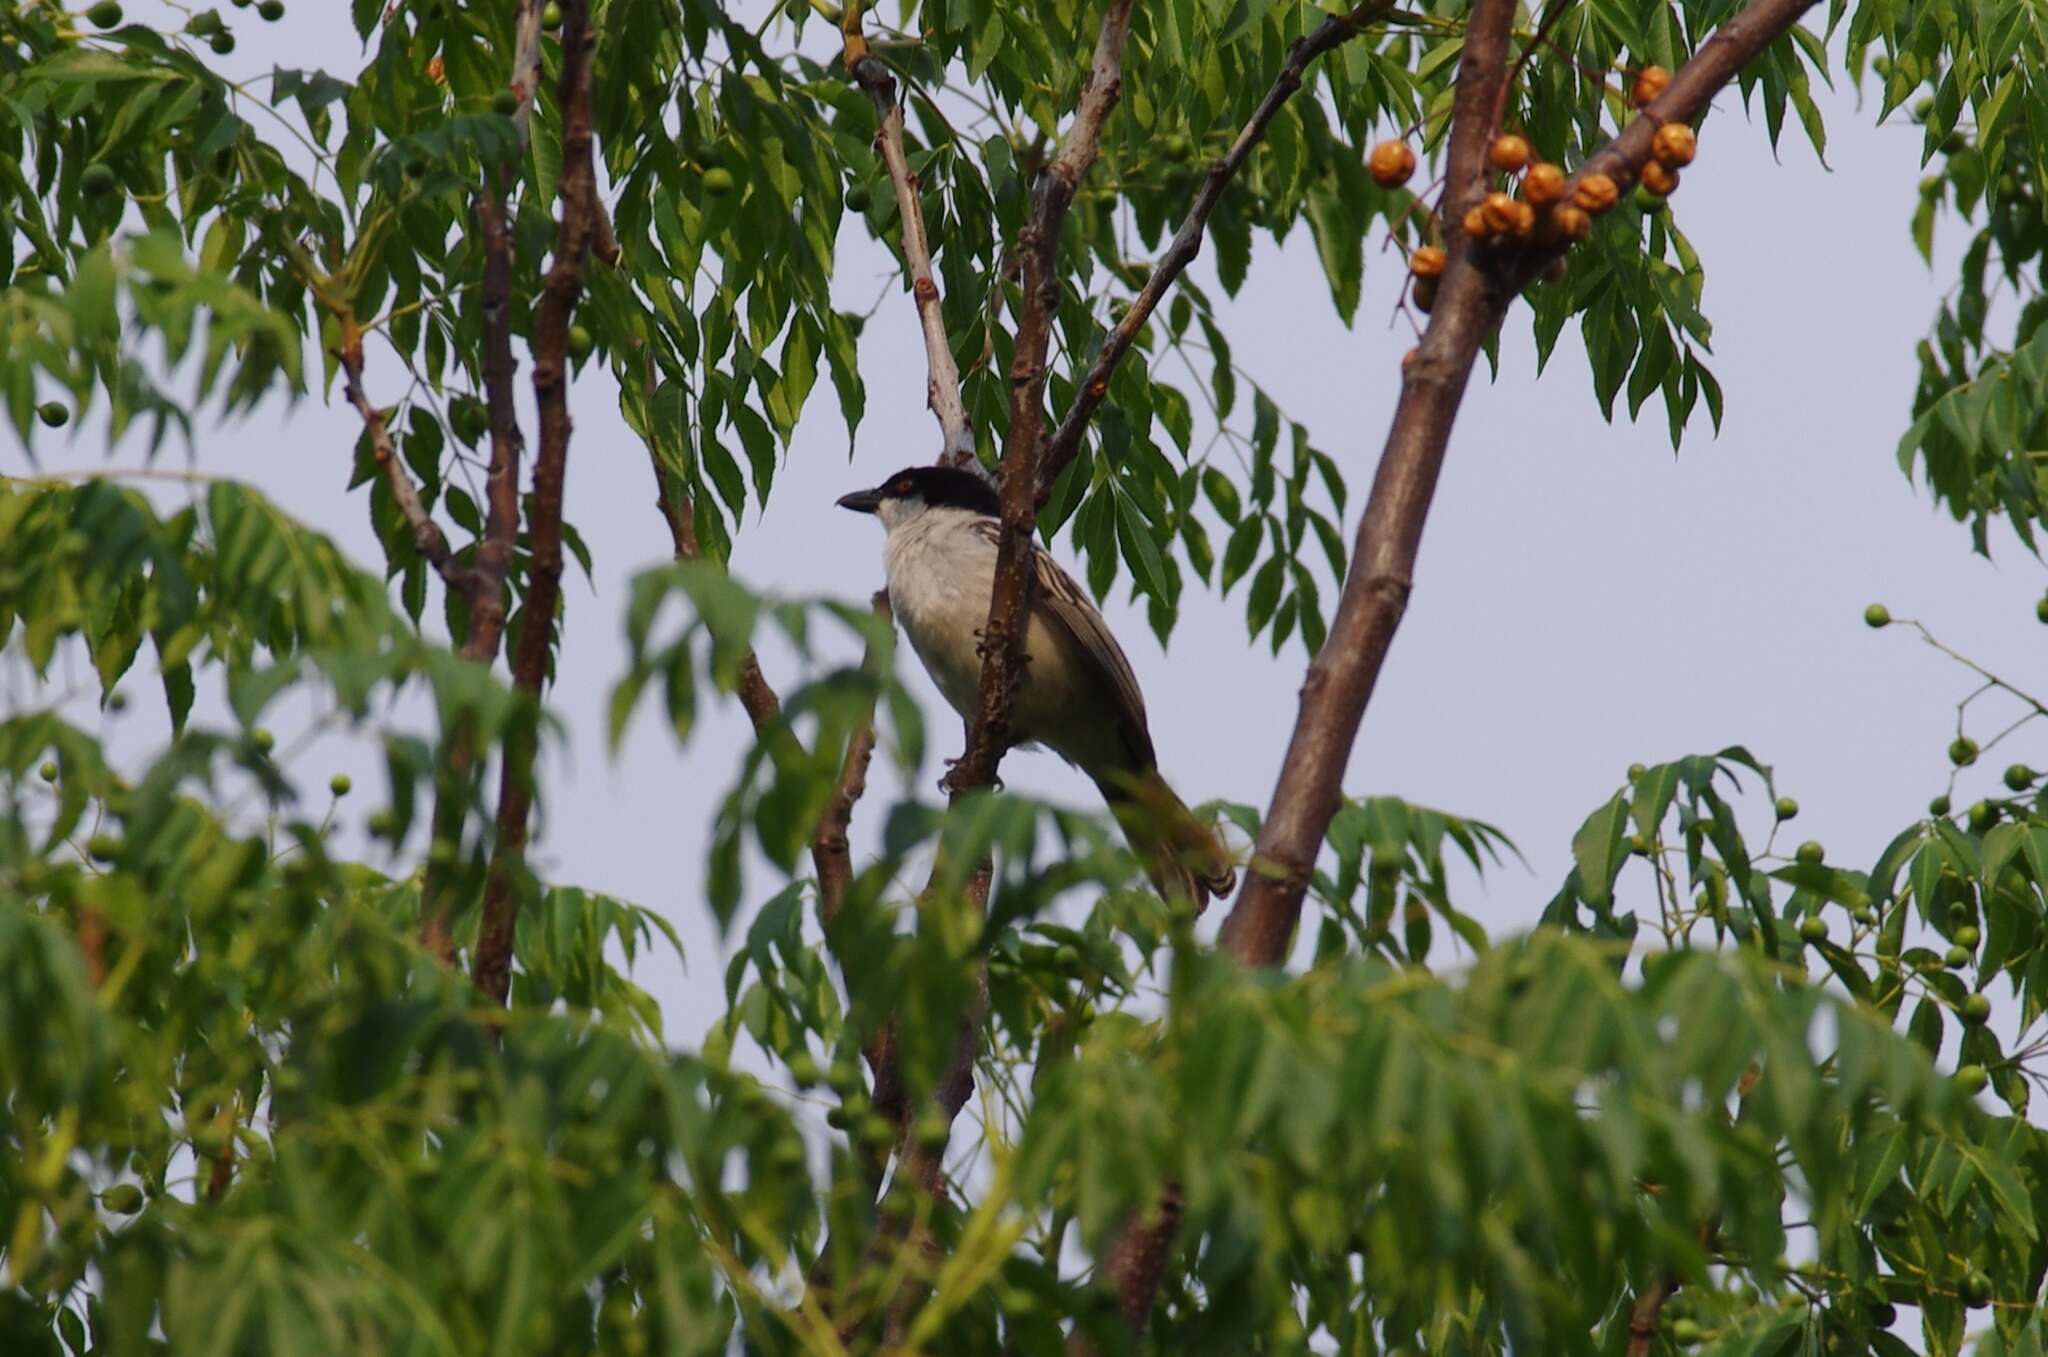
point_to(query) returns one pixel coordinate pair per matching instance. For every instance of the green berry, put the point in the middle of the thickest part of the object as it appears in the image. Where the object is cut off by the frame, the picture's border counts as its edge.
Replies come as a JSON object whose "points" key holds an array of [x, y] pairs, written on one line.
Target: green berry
{"points": [[580, 343], [262, 740], [382, 824], [1813, 929], [711, 155], [803, 1069], [837, 1119], [1938, 807], [504, 103], [48, 770], [1686, 1332], [551, 16], [106, 14], [222, 43], [1976, 1290], [1811, 852], [1787, 808], [933, 1131], [339, 784], [1066, 957], [1639, 844], [1967, 936], [2019, 777], [1962, 751], [271, 10], [877, 1130], [1636, 771], [2041, 611], [856, 198], [1977, 1009], [844, 1078], [1175, 147], [123, 1199], [719, 183], [1971, 1079], [54, 413], [1864, 915], [1983, 815], [103, 847], [1877, 615], [1956, 958]]}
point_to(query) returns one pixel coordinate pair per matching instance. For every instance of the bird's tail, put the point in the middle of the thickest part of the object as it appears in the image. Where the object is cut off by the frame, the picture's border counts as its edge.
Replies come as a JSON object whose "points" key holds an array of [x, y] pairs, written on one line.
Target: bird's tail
{"points": [[1183, 854]]}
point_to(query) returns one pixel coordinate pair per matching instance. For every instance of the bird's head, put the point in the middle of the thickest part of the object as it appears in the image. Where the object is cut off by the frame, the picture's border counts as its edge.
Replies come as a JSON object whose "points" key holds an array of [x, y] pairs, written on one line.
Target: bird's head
{"points": [[913, 490]]}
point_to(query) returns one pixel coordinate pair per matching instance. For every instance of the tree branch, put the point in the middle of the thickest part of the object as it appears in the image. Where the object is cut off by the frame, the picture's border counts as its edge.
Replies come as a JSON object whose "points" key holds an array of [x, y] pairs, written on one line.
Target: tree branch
{"points": [[1642, 1318], [1471, 302], [564, 288], [427, 537], [1187, 241], [942, 388]]}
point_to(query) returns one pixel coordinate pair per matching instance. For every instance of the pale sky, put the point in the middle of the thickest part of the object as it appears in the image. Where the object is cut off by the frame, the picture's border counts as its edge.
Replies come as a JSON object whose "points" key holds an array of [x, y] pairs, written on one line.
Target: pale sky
{"points": [[1583, 599]]}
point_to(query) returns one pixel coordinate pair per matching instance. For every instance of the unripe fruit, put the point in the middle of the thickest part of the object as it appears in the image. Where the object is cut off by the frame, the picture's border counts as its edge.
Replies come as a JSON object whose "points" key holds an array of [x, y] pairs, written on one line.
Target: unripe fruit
{"points": [[1659, 180], [1639, 844], [2041, 611], [103, 847], [1877, 615], [856, 198], [1976, 1290], [1971, 1079], [1686, 1332], [933, 1131], [1810, 852], [48, 770], [1956, 958], [1938, 806], [1426, 262], [106, 14], [1390, 164], [1814, 930], [54, 413], [1982, 817], [844, 1077], [340, 785], [1864, 914], [263, 740], [1962, 751], [803, 1069], [1475, 224], [222, 44], [271, 10], [1423, 294], [97, 181], [2019, 777], [505, 103], [1175, 147], [1786, 808], [1542, 185], [1650, 82], [551, 16], [1967, 936], [718, 182], [123, 1199], [1674, 145], [877, 1130], [580, 343], [1977, 1010], [1596, 193], [1509, 153], [1636, 771]]}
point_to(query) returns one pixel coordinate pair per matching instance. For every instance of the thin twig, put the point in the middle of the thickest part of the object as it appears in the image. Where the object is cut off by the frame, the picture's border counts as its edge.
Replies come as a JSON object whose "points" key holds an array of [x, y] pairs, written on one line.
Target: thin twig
{"points": [[563, 289], [942, 387], [1187, 242], [427, 537], [831, 851]]}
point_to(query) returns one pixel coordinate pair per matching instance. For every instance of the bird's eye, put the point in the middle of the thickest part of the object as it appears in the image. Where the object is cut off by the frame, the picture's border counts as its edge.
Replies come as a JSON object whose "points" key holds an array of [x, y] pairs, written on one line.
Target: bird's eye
{"points": [[903, 487]]}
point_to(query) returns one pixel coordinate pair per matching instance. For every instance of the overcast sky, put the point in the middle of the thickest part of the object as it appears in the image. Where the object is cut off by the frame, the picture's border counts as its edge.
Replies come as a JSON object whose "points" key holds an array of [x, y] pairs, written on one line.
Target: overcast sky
{"points": [[1583, 600]]}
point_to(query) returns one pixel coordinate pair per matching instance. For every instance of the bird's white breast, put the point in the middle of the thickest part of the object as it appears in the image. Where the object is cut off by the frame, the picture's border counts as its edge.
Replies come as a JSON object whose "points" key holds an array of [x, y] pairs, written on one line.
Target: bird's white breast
{"points": [[941, 573]]}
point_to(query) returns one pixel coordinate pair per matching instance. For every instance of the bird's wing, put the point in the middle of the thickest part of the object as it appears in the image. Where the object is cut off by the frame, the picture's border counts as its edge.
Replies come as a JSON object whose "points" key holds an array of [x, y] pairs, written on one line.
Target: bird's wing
{"points": [[1064, 606]]}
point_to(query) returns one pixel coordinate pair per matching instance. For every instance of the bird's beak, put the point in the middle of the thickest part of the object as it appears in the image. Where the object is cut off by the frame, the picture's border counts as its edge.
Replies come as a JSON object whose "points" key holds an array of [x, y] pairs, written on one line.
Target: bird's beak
{"points": [[862, 501]]}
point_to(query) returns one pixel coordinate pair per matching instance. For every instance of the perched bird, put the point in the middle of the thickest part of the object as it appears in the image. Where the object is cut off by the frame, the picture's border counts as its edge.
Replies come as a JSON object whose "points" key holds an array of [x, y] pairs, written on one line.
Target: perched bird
{"points": [[1077, 695]]}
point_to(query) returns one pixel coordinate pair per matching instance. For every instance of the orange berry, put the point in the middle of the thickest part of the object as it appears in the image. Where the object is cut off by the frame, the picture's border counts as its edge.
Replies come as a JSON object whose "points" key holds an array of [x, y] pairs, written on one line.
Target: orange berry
{"points": [[1424, 294], [1659, 180], [1542, 185], [1426, 262], [1596, 193], [1475, 224], [1391, 163], [1571, 223], [1509, 152], [1522, 220], [1499, 210], [1650, 82], [1674, 145]]}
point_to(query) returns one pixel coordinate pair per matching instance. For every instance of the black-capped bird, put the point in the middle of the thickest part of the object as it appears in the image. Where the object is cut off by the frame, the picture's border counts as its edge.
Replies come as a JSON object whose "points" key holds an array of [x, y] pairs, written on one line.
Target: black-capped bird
{"points": [[1077, 695]]}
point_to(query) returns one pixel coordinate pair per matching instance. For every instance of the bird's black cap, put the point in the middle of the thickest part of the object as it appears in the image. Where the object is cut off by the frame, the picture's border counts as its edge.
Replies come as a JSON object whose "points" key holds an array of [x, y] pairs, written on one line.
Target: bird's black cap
{"points": [[938, 486]]}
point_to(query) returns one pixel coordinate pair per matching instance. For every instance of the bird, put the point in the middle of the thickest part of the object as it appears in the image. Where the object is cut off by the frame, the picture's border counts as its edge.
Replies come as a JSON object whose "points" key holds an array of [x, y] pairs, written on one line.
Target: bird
{"points": [[1077, 695]]}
